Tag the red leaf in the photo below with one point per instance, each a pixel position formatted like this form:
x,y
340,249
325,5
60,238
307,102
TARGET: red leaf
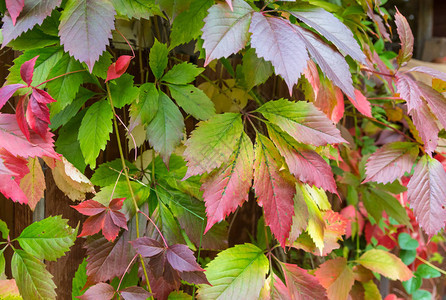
x,y
302,285
21,119
336,226
147,247
337,277
425,122
197,277
274,188
391,162
119,67
275,40
427,194
135,293
14,8
228,187
161,287
102,291
12,170
38,113
182,259
90,208
27,70
7,91
406,37
362,104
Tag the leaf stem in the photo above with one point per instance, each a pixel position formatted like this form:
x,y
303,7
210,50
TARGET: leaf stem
x,y
128,267
51,79
126,173
431,265
378,73
156,227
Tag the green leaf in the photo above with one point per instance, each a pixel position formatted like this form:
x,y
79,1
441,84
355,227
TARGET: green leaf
x,y
236,273
48,57
48,239
122,90
406,242
192,19
166,221
33,39
422,295
183,73
371,291
95,131
33,280
179,295
144,109
101,66
193,100
79,280
65,88
412,284
166,129
136,8
4,229
425,271
254,70
386,264
2,264
408,256
377,201
158,59
107,173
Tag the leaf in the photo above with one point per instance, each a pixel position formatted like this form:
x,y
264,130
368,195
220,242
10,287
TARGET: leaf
x,y
37,112
302,121
119,67
305,164
173,7
426,125
33,183
9,290
69,112
158,58
193,100
192,19
391,162
108,173
136,8
122,91
4,230
85,28
71,181
33,39
274,188
12,170
425,271
275,40
165,131
361,104
406,38
237,273
27,70
386,264
226,29
332,29
135,293
99,291
406,242
179,295
33,13
147,247
371,291
254,70
109,219
33,280
7,91
228,187
426,193
183,73
212,143
79,279
337,277
182,259
14,8
302,285
379,201
95,130
144,109
335,226
48,239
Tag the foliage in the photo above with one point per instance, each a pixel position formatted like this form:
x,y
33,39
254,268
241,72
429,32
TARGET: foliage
x,y
199,142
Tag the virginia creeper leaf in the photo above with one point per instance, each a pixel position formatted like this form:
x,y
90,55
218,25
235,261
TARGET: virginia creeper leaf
x,y
193,100
80,279
337,277
7,91
173,7
228,187
95,130
33,39
119,67
99,291
33,183
276,40
165,131
32,279
183,73
34,12
237,272
9,289
144,109
406,38
427,194
108,173
123,91
332,29
226,29
27,70
135,293
378,201
4,230
429,71
136,8
409,91
302,285
361,104
147,247
254,70
371,291
12,170
212,143
158,58
274,188
391,162
182,259
14,8
428,129
385,263
302,121
37,112
85,28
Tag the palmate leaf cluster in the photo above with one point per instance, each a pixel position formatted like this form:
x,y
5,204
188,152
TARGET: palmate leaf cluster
x,y
194,148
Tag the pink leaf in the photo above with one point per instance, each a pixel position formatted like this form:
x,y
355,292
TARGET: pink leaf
x,y
7,91
406,38
274,188
332,29
21,119
119,67
427,194
33,13
102,291
226,29
409,91
38,113
435,100
361,104
27,70
425,122
228,187
276,40
302,285
307,166
12,170
14,8
182,259
429,71
391,162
